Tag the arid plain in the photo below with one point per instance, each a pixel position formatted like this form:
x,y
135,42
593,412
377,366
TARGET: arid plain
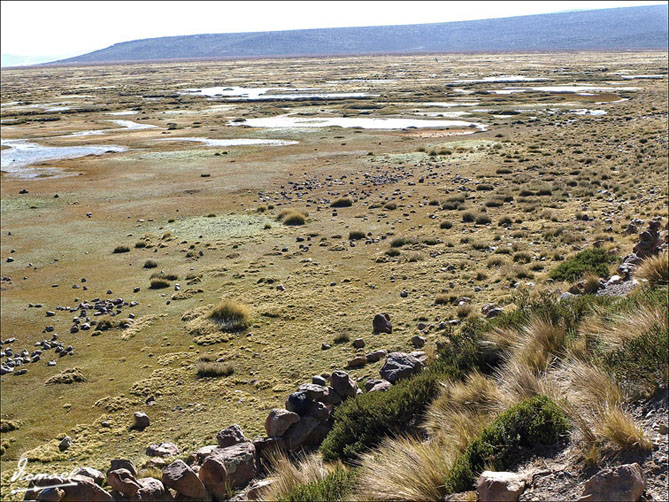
x,y
470,177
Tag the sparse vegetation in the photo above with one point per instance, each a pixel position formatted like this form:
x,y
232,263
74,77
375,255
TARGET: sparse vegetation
x,y
231,315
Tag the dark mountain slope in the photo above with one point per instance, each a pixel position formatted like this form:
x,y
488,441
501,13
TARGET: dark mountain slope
x,y
643,27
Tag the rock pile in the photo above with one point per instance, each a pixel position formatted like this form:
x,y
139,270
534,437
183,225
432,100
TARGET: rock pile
x,y
651,242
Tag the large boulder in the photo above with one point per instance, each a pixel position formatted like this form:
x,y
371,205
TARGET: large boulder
x,y
318,411
299,432
165,449
625,483
152,490
53,494
181,478
97,477
85,490
199,455
230,436
240,463
314,392
298,402
317,435
122,480
278,421
343,385
35,486
500,486
381,324
214,477
400,365
122,463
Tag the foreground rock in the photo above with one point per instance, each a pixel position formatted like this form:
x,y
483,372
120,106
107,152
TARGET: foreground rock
x,y
343,384
123,481
214,477
230,436
500,486
165,449
400,365
181,478
240,463
620,484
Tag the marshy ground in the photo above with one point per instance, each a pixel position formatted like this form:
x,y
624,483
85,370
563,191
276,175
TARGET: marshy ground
x,y
444,218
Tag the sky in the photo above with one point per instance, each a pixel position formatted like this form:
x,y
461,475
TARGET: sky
x,y
33,32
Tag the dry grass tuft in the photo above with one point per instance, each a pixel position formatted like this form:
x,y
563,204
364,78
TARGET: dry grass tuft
x,y
404,469
286,475
232,315
655,270
618,427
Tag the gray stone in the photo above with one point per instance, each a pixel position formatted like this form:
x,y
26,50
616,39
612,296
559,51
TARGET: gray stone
x,y
240,463
376,355
298,433
230,436
141,421
97,477
123,481
343,384
214,477
152,490
399,365
65,443
297,403
381,324
121,463
165,449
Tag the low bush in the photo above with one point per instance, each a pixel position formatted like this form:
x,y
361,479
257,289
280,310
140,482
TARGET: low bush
x,y
445,225
364,421
356,235
468,217
482,219
398,242
590,260
534,422
150,264
121,249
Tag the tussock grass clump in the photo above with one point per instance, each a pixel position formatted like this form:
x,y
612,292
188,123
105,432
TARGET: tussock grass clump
x,y
445,225
231,315
307,479
206,369
158,283
468,217
164,275
343,202
655,270
398,242
291,217
68,376
392,252
404,469
532,423
590,260
150,264
482,219
356,235
121,249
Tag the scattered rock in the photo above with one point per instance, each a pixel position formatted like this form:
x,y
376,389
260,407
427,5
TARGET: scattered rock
x,y
152,490
418,341
381,324
377,355
357,362
140,421
165,449
122,480
65,443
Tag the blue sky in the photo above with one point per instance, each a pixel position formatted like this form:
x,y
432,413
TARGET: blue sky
x,y
45,31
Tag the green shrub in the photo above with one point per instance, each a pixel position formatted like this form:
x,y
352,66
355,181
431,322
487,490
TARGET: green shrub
x,y
335,487
345,202
590,260
534,422
363,421
356,235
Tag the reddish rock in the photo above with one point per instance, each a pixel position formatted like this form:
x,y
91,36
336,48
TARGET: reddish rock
x,y
230,436
85,490
381,324
279,420
214,477
240,463
299,432
123,481
625,483
153,490
343,384
181,478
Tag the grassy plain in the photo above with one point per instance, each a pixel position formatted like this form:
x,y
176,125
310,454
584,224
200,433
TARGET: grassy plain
x,y
481,215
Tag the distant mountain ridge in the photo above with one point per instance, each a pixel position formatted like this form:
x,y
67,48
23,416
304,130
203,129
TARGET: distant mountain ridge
x,y
623,28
